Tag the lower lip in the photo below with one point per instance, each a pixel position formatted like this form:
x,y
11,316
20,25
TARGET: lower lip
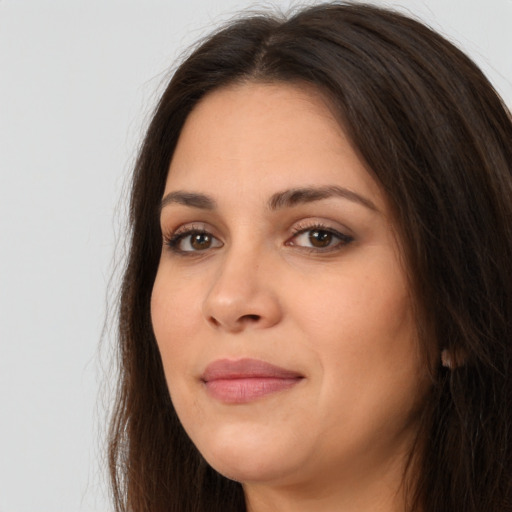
x,y
244,390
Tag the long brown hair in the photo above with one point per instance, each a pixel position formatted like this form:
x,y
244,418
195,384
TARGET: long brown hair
x,y
438,140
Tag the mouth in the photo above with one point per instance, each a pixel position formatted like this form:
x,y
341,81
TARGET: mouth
x,y
245,380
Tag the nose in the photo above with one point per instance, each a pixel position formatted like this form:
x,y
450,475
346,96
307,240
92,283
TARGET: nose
x,y
242,294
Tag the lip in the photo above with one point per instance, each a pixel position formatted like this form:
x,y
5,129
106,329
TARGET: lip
x,y
245,380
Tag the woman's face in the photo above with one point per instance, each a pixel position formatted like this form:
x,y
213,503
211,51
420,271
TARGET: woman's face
x,y
280,307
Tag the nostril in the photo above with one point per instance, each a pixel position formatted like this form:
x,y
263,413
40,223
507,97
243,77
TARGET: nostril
x,y
214,321
244,319
251,318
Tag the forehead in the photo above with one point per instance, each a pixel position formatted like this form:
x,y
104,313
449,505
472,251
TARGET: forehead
x,y
263,137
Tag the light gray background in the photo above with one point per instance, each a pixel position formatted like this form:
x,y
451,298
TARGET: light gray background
x,y
77,80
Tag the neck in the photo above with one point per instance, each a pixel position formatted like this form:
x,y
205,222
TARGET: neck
x,y
381,489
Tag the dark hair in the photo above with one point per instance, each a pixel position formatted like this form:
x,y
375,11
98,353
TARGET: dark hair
x,y
438,140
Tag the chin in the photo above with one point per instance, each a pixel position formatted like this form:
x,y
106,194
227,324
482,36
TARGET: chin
x,y
248,455
250,469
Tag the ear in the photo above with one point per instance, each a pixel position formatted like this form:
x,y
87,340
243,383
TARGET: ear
x,y
453,358
447,359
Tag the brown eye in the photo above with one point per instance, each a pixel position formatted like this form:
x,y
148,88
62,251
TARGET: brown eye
x,y
319,238
200,241
193,241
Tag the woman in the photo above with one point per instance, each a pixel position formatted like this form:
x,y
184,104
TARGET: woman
x,y
316,310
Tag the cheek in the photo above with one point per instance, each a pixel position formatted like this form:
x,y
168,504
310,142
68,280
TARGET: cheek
x,y
174,315
361,326
354,309
176,318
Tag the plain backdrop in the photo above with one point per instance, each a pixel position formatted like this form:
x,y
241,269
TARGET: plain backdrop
x,y
77,82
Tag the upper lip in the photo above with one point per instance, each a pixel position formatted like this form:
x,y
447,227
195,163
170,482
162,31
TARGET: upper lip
x,y
245,369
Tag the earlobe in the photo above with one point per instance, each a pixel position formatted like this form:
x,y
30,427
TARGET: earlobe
x,y
453,358
447,360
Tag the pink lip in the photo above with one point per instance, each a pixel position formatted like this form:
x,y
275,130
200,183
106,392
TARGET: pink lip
x,y
244,380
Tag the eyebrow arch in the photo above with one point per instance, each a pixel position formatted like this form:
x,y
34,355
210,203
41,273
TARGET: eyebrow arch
x,y
192,199
294,196
285,199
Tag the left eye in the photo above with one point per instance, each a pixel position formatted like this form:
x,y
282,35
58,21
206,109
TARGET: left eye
x,y
316,238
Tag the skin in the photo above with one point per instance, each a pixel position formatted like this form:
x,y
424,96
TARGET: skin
x,y
338,314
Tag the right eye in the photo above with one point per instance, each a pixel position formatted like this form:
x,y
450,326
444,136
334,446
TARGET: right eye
x,y
193,241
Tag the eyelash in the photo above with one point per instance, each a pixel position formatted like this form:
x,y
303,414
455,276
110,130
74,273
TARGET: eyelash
x,y
174,240
343,239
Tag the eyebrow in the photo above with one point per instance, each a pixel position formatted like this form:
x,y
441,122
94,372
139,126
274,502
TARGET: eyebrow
x,y
192,199
295,196
285,199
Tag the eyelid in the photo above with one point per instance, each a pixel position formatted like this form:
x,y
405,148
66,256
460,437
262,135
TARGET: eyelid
x,y
323,224
188,227
305,226
174,237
